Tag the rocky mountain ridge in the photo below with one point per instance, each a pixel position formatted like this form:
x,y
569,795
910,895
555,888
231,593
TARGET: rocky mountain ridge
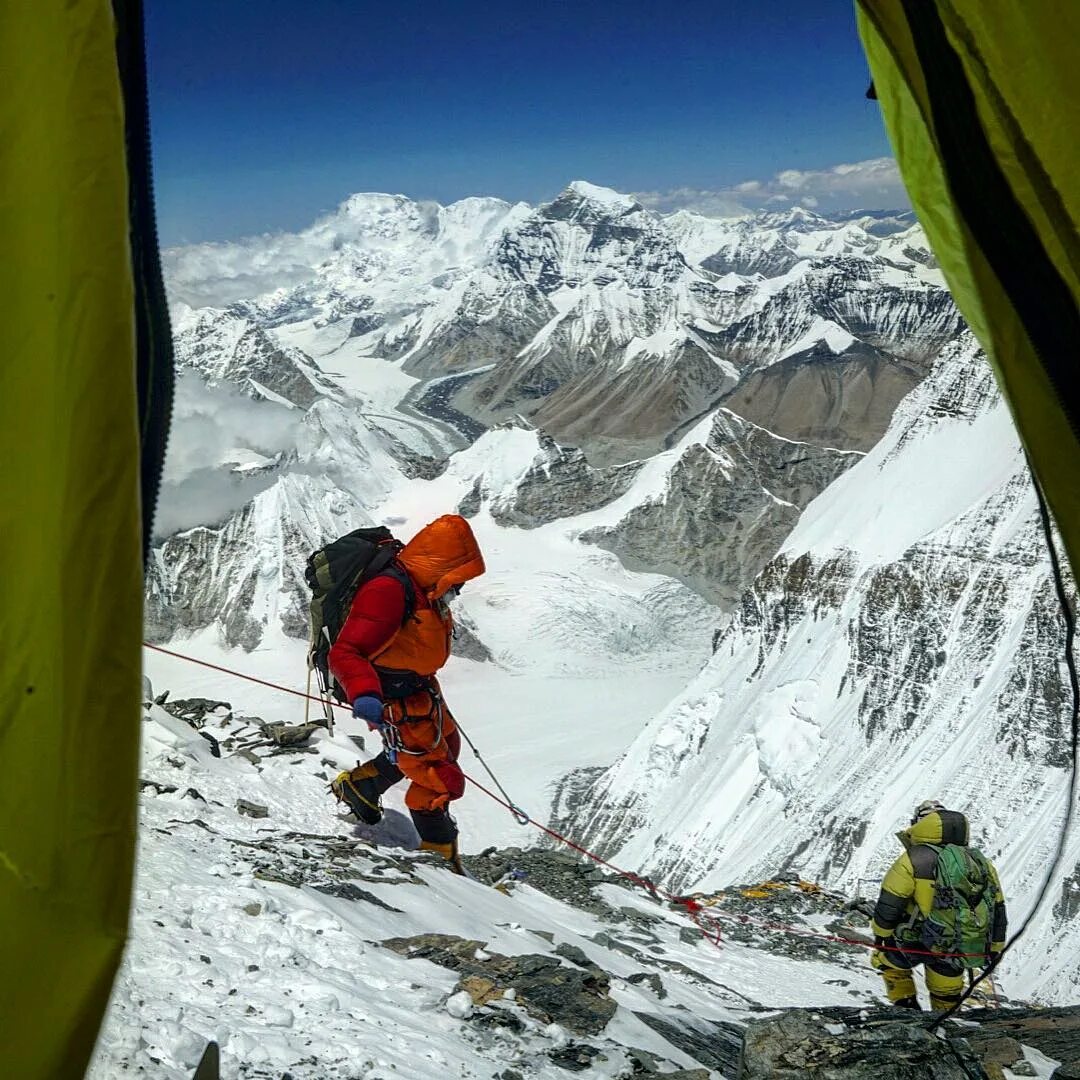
x,y
565,313
905,642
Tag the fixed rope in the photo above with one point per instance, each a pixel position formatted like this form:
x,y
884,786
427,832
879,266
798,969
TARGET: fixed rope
x,y
241,675
697,910
703,916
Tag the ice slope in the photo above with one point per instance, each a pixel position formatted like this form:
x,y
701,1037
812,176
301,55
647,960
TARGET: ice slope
x,y
904,644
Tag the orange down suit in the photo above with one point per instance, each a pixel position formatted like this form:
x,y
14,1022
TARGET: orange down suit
x,y
376,654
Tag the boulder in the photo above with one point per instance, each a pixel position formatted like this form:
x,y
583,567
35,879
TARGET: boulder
x,y
800,1044
547,989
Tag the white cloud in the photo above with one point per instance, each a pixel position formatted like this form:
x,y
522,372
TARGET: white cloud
x,y
873,184
195,488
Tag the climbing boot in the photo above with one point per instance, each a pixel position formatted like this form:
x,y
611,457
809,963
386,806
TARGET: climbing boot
x,y
908,1003
448,851
359,790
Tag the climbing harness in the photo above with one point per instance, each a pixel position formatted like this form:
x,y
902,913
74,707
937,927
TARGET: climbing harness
x,y
390,728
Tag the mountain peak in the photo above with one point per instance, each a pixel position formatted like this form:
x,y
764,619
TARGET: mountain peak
x,y
794,217
588,204
600,196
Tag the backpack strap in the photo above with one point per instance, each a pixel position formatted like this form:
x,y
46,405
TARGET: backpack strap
x,y
924,859
395,570
399,574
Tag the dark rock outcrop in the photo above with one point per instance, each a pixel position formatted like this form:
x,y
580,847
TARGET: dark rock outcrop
x,y
561,483
545,987
805,1045
844,400
729,504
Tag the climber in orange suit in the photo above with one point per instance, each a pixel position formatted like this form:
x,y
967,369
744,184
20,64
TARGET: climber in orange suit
x,y
395,639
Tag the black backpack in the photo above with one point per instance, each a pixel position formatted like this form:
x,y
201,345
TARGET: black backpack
x,y
334,573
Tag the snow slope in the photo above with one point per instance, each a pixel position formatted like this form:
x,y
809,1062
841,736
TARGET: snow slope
x,y
264,934
904,644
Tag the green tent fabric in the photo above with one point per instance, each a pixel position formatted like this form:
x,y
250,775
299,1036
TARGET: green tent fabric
x,y
80,400
981,99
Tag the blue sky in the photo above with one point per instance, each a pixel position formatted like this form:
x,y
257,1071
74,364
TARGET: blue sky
x,y
266,114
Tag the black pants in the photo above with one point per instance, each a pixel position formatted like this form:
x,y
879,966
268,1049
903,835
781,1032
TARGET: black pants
x,y
434,826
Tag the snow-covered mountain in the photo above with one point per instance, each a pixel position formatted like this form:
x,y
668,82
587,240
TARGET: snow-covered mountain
x,y
605,324
589,317
763,562
905,642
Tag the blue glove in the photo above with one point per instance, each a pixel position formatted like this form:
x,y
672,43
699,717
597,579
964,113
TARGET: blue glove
x,y
368,708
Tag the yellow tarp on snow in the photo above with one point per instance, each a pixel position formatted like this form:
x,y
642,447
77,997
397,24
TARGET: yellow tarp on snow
x,y
981,99
70,534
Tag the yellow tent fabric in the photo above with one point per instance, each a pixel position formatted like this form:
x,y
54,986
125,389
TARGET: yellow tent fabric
x,y
70,534
981,99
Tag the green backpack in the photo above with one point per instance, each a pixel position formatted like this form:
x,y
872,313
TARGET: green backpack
x,y
961,919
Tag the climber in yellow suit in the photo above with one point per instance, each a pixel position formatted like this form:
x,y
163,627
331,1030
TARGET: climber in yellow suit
x,y
940,896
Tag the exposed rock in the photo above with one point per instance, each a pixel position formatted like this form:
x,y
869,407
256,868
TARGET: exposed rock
x,y
854,1043
730,503
549,990
225,348
558,873
574,954
803,1044
482,991
251,809
574,1057
348,890
860,299
194,711
561,483
1053,1032
843,400
467,642
484,326
471,503
715,1043
282,734
651,979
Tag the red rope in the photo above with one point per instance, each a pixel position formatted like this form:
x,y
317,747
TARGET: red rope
x,y
239,675
698,911
705,919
